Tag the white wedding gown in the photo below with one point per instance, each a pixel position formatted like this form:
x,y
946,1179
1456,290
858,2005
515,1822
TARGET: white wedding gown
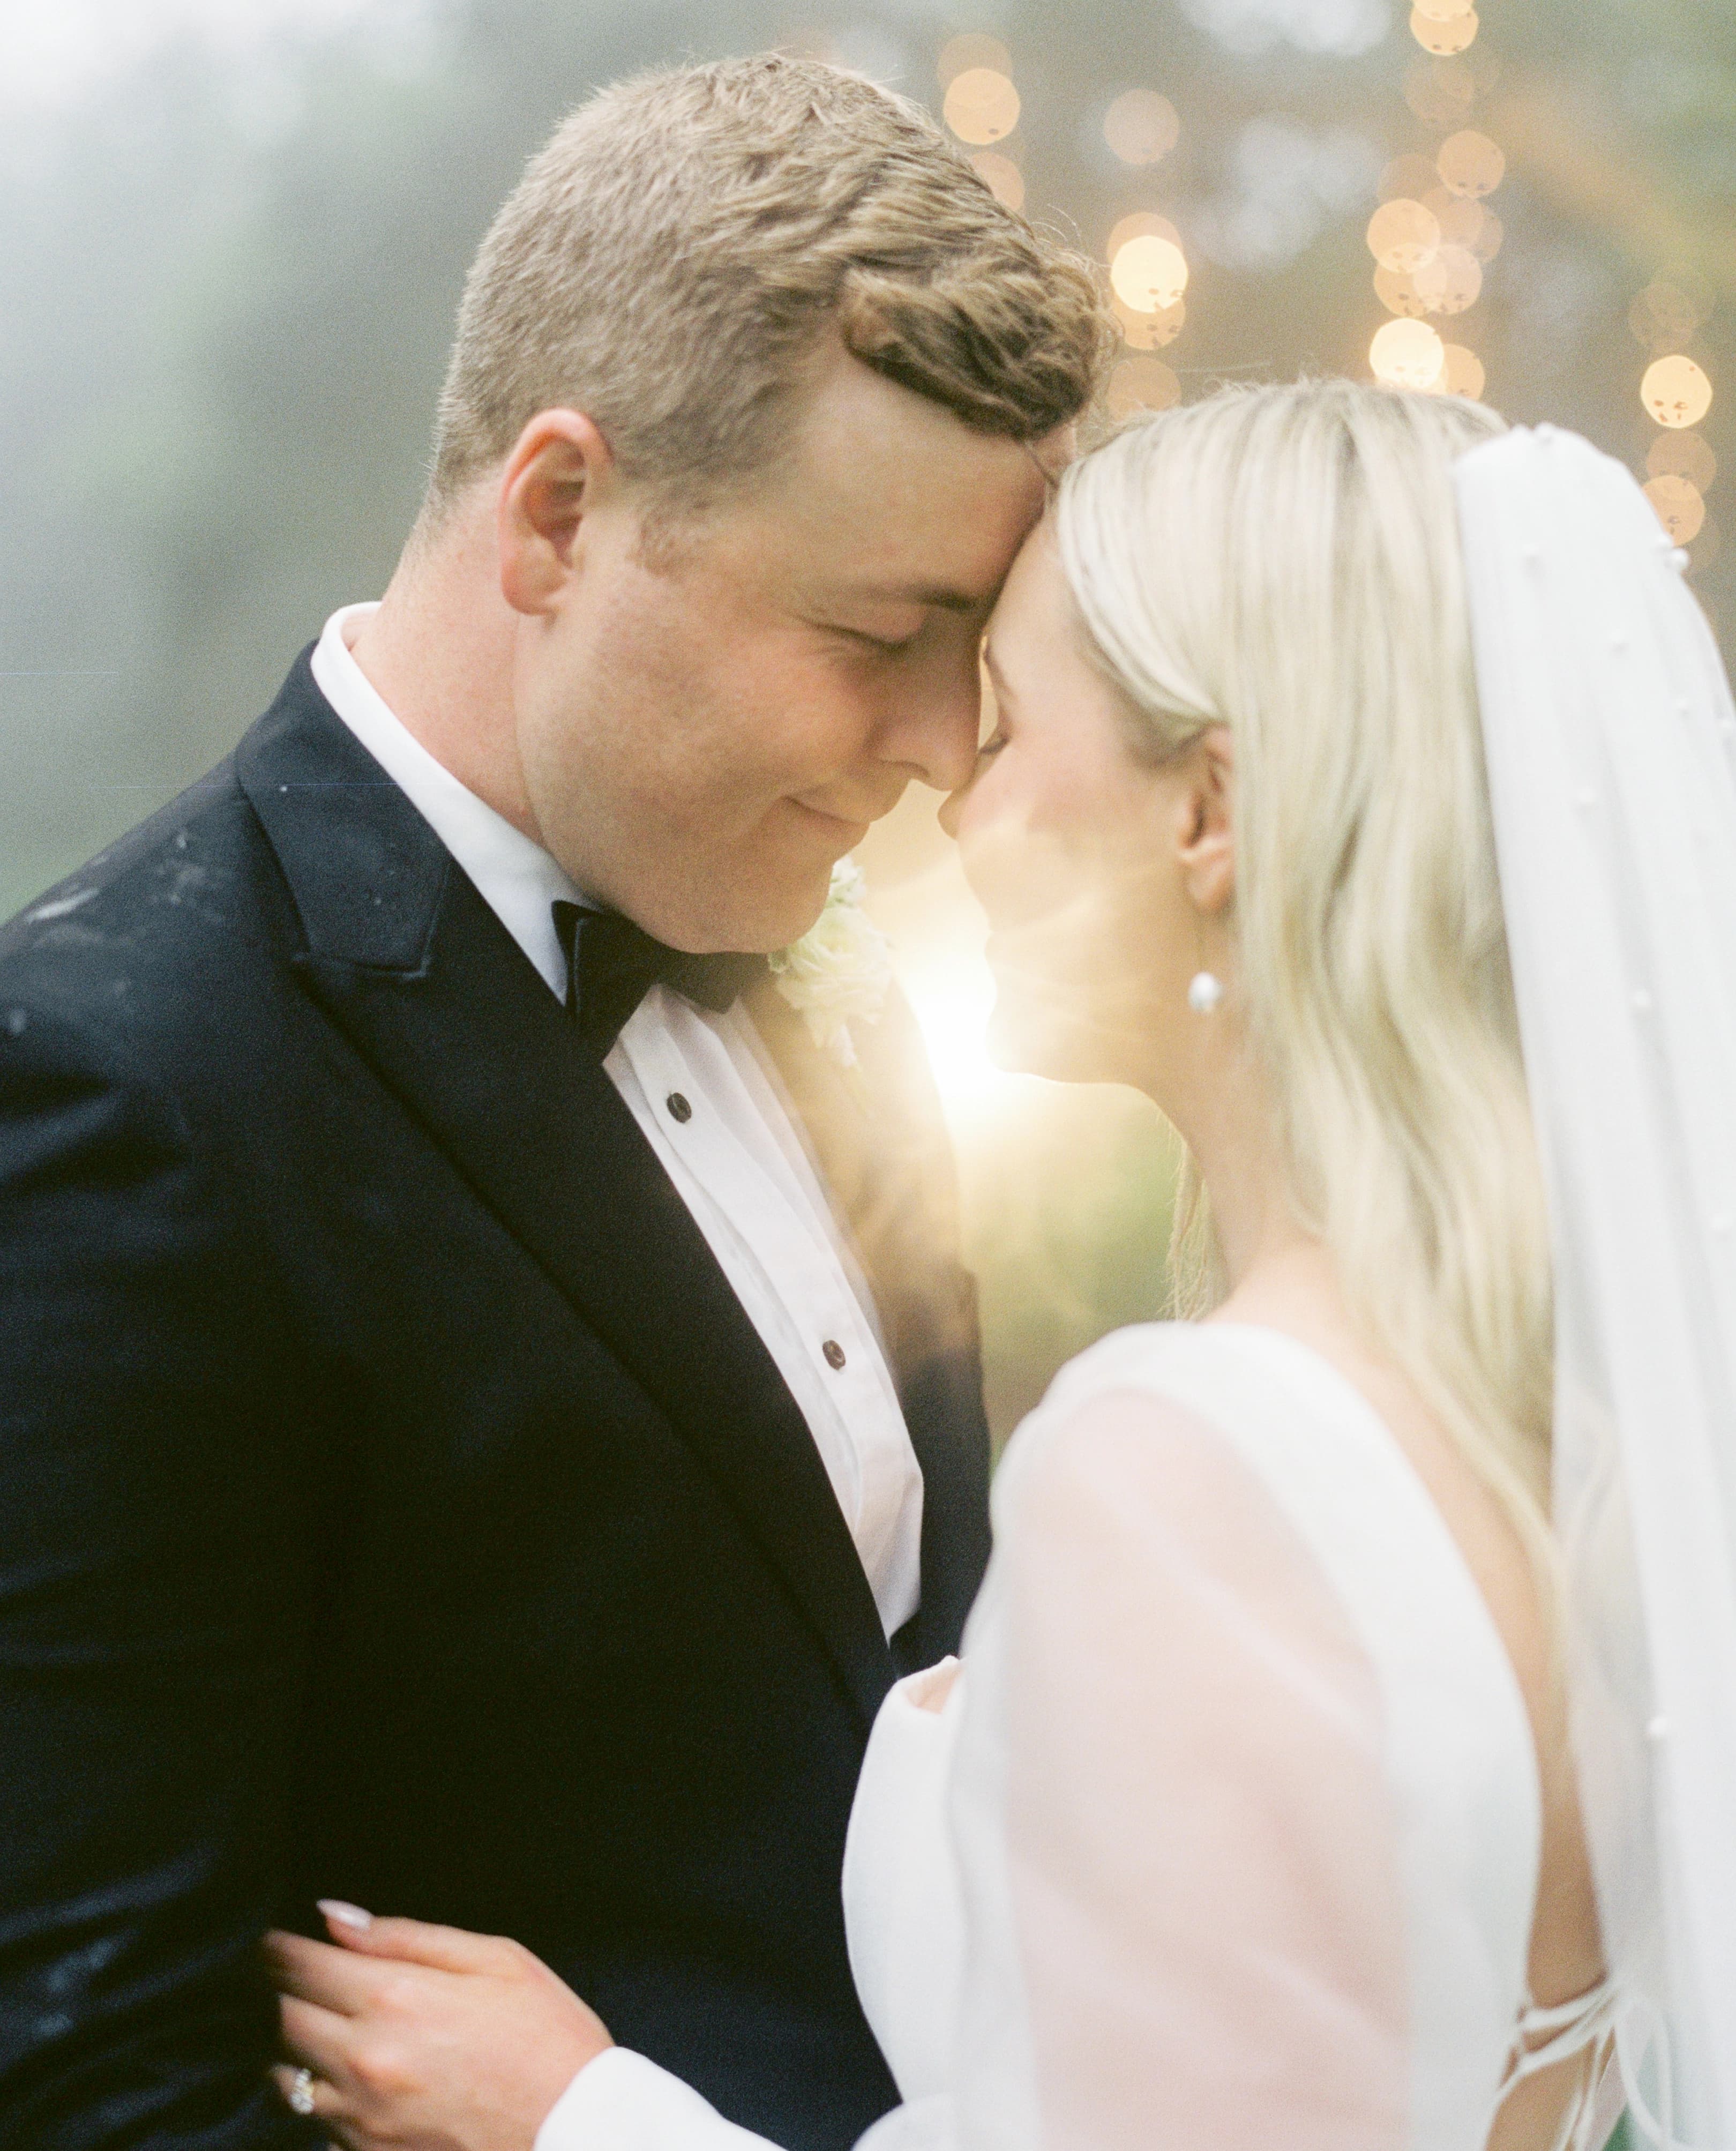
x,y
1228,1838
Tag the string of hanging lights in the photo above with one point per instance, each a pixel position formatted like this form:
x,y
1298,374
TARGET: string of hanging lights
x,y
1676,389
1432,237
1434,232
1148,267
981,103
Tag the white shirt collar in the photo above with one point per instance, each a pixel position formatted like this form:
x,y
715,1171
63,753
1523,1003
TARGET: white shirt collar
x,y
513,875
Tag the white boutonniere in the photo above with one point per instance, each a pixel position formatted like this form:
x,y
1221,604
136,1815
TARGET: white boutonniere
x,y
841,969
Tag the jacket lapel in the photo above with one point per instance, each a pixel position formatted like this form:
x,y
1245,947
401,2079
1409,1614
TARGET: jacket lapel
x,y
405,956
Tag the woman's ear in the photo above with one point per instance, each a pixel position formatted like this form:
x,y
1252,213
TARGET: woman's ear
x,y
1208,849
553,477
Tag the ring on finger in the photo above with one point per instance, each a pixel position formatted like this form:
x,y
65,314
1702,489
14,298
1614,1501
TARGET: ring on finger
x,y
299,2096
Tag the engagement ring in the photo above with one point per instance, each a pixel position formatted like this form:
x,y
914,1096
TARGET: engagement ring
x,y
301,2092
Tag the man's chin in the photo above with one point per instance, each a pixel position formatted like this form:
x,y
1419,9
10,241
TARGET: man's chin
x,y
758,921
774,915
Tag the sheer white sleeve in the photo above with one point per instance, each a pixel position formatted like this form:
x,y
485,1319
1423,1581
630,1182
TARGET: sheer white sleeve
x,y
621,2102
1199,1879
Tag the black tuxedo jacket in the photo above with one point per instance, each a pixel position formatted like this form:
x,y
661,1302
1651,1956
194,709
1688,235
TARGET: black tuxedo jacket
x,y
395,1503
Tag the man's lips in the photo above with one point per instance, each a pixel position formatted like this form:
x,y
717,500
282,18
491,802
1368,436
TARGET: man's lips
x,y
848,828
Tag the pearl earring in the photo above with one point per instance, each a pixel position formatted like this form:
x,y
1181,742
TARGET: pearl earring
x,y
1204,993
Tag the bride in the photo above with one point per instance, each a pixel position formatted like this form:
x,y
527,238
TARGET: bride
x,y
1343,1760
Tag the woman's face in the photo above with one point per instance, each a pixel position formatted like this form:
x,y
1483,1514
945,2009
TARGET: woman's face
x,y
1080,854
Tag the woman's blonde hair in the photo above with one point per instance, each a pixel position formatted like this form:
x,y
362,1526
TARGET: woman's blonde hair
x,y
1286,561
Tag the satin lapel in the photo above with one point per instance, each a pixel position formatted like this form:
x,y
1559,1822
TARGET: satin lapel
x,y
882,1148
412,965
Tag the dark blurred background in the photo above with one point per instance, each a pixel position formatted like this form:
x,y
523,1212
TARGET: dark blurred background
x,y
236,230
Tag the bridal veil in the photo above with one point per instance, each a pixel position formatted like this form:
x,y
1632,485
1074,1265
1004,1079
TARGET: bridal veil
x,y
1610,738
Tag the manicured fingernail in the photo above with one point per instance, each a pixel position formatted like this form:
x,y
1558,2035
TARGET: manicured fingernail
x,y
346,1915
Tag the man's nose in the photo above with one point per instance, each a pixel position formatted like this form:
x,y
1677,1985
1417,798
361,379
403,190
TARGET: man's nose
x,y
934,730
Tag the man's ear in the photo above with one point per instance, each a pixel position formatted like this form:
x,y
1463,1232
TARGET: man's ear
x,y
558,467
1206,852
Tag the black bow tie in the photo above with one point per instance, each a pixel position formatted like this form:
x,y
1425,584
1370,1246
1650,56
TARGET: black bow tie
x,y
612,964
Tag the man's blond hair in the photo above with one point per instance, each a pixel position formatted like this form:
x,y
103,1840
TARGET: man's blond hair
x,y
673,259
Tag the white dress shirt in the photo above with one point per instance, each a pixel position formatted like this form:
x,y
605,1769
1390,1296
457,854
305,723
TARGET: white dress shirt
x,y
737,1163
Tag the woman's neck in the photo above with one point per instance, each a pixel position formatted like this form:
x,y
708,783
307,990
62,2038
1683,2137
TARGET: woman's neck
x,y
1229,1127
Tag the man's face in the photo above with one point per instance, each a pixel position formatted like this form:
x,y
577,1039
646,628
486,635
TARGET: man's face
x,y
701,739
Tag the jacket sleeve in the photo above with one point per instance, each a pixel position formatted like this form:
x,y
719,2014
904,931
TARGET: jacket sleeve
x,y
152,1618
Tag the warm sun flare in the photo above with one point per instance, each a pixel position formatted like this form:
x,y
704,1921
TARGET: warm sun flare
x,y
953,996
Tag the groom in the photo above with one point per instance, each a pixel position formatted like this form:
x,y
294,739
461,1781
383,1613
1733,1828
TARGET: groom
x,y
486,1406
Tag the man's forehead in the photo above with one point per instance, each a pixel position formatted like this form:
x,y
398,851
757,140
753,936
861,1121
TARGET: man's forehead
x,y
857,432
912,537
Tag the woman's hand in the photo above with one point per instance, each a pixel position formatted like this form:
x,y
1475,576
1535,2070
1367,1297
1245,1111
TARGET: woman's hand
x,y
424,2038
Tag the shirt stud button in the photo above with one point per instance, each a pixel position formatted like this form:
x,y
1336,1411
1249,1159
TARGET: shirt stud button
x,y
679,1108
834,1352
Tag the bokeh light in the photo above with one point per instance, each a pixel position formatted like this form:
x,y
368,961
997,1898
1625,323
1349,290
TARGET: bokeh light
x,y
1141,223
1471,165
1683,455
1143,332
1440,92
1407,355
1456,34
1680,509
1681,467
1676,391
1006,182
1403,235
1462,373
1666,314
1141,384
1445,11
974,49
1149,273
982,105
1398,294
1450,281
1142,126
1464,223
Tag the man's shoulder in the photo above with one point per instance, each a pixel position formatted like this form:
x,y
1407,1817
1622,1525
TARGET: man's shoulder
x,y
177,886
168,932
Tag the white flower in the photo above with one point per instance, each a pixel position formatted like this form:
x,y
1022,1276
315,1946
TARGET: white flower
x,y
840,969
